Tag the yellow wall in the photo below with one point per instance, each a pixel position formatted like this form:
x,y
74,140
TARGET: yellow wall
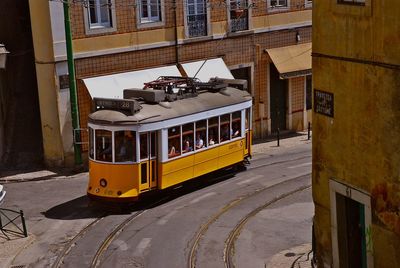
x,y
46,79
157,36
360,145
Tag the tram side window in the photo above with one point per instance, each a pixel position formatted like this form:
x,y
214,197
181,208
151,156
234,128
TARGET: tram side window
x,y
247,122
236,124
224,127
144,148
201,134
91,143
103,145
187,138
174,141
125,146
213,131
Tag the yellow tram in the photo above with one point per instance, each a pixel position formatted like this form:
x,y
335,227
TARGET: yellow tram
x,y
173,130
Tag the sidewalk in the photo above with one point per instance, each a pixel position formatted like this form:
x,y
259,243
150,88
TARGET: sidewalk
x,y
295,257
270,144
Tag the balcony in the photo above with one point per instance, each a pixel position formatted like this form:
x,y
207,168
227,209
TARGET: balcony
x,y
239,20
197,25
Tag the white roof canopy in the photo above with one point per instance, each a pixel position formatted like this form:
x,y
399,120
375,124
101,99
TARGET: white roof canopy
x,y
112,86
211,68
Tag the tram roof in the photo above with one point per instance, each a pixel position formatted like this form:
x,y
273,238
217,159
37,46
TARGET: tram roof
x,y
151,113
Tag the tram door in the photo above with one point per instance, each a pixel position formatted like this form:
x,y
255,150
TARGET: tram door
x,y
148,161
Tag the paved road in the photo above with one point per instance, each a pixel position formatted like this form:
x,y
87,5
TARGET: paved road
x,y
192,221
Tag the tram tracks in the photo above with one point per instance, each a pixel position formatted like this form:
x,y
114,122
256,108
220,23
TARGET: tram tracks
x,y
234,234
107,241
72,242
104,244
229,242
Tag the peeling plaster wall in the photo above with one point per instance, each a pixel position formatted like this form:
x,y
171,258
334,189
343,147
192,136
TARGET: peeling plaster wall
x,y
359,62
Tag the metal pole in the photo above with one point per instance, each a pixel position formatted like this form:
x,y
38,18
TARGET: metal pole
x,y
277,136
309,130
72,85
23,223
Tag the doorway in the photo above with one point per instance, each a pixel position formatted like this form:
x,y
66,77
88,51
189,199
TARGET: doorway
x,y
278,100
148,160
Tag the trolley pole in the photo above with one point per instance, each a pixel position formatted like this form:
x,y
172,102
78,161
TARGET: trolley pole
x,y
72,85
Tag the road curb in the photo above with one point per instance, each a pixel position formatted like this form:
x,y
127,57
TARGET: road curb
x,y
299,257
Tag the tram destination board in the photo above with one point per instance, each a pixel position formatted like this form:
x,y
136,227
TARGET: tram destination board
x,y
323,102
116,104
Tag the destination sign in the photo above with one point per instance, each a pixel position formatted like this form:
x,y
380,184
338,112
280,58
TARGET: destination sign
x,y
116,104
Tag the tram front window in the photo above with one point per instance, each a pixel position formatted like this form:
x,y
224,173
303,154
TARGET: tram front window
x,y
103,145
125,146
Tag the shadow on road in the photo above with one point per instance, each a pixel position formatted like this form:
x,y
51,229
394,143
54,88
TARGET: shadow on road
x,y
83,208
78,208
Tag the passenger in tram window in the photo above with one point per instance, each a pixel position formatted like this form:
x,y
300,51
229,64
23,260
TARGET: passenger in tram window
x,y
211,141
106,153
199,141
172,152
187,145
225,133
122,149
235,130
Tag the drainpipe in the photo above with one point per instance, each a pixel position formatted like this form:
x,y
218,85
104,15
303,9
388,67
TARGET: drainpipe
x,y
176,33
72,85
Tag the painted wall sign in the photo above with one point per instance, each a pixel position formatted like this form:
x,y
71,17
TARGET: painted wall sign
x,y
323,102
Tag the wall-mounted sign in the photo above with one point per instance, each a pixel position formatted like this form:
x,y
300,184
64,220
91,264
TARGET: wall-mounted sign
x,y
323,102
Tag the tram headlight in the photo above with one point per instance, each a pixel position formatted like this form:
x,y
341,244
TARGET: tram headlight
x,y
103,183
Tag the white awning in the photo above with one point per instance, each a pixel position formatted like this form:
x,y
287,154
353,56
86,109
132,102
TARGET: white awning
x,y
211,68
112,86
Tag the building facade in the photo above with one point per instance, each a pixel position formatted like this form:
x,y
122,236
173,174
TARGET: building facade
x,y
356,172
119,36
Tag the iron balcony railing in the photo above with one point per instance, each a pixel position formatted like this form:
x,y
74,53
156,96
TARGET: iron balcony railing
x,y
239,23
197,25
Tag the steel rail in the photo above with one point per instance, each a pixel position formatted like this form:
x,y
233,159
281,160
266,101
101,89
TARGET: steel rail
x,y
230,205
230,241
71,243
117,230
106,242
